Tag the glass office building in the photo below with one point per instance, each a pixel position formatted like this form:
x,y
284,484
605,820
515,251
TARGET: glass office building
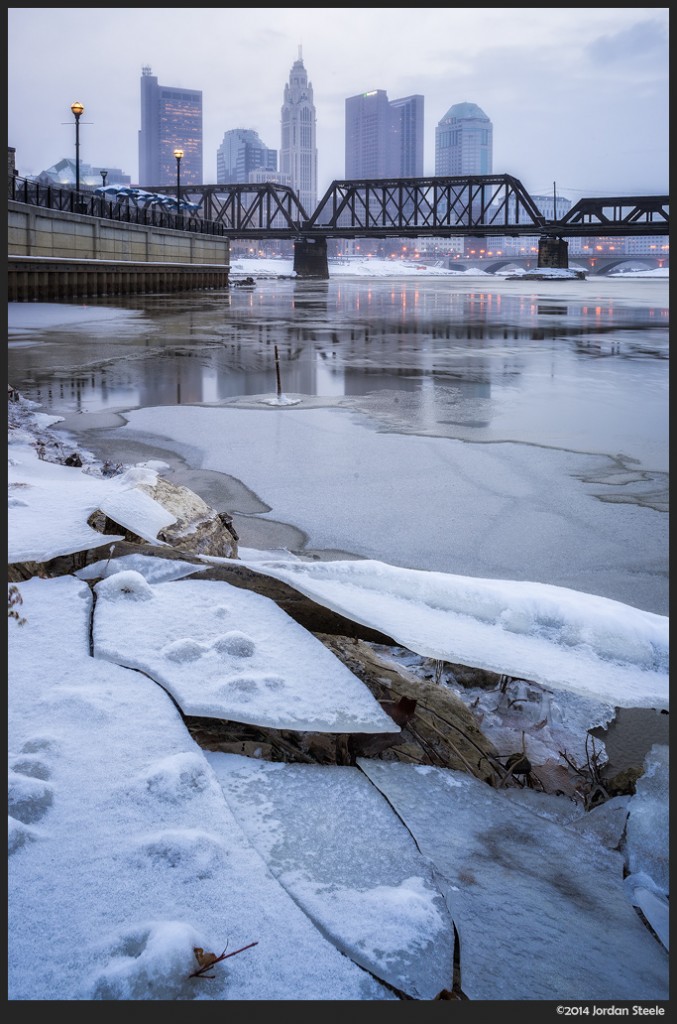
x,y
464,142
242,153
384,138
170,119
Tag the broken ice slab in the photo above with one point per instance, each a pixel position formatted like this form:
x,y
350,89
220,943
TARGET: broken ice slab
x,y
345,858
541,912
229,653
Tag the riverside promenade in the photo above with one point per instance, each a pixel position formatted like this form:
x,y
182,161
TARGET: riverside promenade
x,y
62,254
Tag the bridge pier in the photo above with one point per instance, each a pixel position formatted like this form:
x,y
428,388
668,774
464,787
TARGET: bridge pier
x,y
310,258
553,252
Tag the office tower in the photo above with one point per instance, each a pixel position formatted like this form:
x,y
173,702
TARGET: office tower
x,y
384,139
298,152
240,154
170,119
464,142
408,129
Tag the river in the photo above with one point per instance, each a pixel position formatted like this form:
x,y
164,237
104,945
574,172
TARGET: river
x,y
469,425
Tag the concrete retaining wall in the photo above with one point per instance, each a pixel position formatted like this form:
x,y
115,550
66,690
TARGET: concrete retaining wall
x,y
34,231
54,280
53,255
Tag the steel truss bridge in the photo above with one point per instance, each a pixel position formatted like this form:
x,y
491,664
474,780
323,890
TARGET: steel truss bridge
x,y
479,206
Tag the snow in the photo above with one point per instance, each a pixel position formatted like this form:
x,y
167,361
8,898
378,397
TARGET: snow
x,y
557,637
377,267
224,652
130,847
43,492
124,853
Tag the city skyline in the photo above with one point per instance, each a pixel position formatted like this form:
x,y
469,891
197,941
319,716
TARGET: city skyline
x,y
576,96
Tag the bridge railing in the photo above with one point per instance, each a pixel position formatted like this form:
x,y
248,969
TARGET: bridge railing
x,y
118,208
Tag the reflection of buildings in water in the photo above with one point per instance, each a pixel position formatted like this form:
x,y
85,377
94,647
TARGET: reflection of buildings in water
x,y
188,361
403,340
438,405
86,390
329,361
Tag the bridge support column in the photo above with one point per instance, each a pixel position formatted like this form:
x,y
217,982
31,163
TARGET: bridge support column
x,y
310,258
553,252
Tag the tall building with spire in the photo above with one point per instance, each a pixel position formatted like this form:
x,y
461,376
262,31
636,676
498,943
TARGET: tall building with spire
x,y
298,151
171,119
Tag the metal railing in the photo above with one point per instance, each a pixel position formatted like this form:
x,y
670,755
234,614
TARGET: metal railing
x,y
119,208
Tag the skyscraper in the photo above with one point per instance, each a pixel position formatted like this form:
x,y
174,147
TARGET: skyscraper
x,y
384,139
241,153
298,152
408,129
464,142
170,119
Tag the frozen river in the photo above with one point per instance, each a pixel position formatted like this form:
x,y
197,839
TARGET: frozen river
x,y
476,426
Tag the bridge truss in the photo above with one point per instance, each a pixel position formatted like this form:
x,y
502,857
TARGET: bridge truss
x,y
482,205
624,215
493,204
476,206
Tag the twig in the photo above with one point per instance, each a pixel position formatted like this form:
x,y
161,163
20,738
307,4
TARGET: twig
x,y
210,960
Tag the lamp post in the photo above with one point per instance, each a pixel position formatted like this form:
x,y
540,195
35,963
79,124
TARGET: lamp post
x,y
104,175
178,153
77,111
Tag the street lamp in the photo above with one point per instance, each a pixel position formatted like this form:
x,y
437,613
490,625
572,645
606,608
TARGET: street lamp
x,y
178,153
104,175
77,110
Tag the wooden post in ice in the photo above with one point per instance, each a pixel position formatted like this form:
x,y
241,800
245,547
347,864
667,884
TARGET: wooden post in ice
x,y
277,373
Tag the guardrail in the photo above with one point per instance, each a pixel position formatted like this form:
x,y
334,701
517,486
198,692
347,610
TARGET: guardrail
x,y
118,208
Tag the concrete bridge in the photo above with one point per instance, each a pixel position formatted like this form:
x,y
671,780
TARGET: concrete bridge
x,y
596,266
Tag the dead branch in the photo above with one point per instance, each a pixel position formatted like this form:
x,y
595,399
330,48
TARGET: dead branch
x,y
207,960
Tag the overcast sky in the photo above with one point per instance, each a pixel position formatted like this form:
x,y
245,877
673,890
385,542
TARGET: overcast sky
x,y
576,96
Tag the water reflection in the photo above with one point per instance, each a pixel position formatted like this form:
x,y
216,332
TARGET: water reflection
x,y
579,367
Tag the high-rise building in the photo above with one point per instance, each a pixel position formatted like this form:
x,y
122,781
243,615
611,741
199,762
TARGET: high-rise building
x,y
408,129
171,118
240,154
464,142
384,139
298,152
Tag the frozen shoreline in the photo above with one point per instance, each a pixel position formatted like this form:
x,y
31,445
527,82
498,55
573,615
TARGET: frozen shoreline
x,y
242,267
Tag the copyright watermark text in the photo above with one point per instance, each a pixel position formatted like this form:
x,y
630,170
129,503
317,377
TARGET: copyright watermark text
x,y
610,1011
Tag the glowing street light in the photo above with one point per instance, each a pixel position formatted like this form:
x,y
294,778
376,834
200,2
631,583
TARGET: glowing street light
x,y
178,153
77,110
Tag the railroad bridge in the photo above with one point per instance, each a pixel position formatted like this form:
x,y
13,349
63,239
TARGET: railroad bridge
x,y
480,207
209,217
